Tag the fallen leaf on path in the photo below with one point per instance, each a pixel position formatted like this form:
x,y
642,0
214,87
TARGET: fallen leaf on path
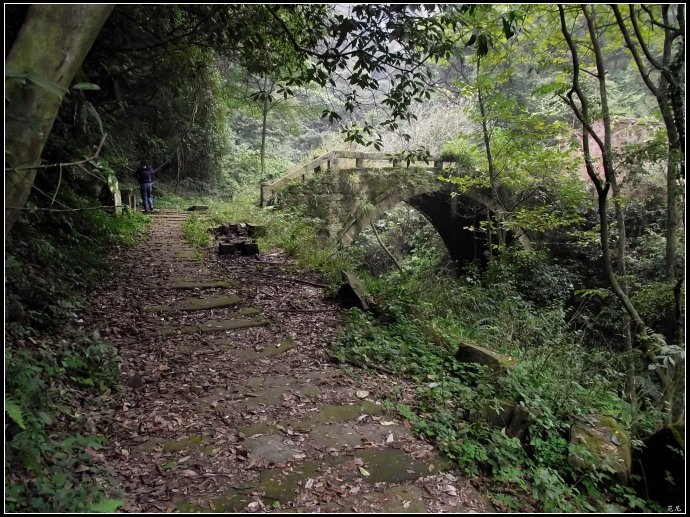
x,y
450,490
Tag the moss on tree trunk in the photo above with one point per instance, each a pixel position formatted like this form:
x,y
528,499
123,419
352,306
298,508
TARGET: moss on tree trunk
x,y
50,46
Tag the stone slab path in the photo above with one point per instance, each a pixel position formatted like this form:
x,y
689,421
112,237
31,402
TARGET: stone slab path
x,y
231,403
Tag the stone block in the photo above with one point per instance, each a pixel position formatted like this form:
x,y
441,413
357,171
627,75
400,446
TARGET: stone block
x,y
603,444
470,353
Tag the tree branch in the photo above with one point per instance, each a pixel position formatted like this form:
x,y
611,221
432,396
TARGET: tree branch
x,y
633,50
645,48
48,166
397,265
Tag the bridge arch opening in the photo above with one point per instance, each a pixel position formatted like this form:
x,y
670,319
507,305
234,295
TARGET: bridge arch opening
x,y
455,218
405,232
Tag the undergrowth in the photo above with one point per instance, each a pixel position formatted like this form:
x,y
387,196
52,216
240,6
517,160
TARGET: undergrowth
x,y
53,370
558,377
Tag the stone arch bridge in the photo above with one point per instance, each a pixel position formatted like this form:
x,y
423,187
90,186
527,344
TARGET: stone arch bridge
x,y
349,190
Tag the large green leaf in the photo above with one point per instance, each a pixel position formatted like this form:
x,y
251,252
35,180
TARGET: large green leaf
x,y
86,86
37,79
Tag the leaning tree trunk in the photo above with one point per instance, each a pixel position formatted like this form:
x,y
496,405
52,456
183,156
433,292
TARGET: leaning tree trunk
x,y
264,113
493,180
50,47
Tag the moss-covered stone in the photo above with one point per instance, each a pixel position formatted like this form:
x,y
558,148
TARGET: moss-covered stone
x,y
259,428
351,434
471,353
211,326
184,443
338,413
273,350
402,499
270,447
192,283
601,442
189,507
393,465
188,255
233,501
198,304
208,303
396,499
280,486
232,324
243,355
150,444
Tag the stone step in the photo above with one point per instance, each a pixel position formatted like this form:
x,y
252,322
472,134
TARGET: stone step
x,y
198,304
210,326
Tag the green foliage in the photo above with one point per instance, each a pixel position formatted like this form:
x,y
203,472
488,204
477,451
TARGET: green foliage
x,y
629,499
427,34
551,490
55,488
52,259
516,307
106,506
182,106
467,155
407,235
51,470
241,165
531,275
651,300
299,238
195,230
14,411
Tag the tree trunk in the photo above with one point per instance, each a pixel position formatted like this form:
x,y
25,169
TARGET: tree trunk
x,y
383,246
493,180
263,137
52,44
179,168
602,187
669,93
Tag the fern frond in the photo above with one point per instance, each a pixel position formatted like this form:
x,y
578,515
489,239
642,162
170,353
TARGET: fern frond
x,y
14,411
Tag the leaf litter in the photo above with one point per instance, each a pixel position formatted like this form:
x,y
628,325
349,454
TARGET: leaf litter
x,y
172,431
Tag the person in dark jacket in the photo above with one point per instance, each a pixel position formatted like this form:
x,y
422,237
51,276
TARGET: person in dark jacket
x,y
144,175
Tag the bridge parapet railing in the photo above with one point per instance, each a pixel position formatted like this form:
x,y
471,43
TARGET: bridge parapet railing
x,y
331,161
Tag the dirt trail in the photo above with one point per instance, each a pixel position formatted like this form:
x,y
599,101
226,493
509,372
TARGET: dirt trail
x,y
231,401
